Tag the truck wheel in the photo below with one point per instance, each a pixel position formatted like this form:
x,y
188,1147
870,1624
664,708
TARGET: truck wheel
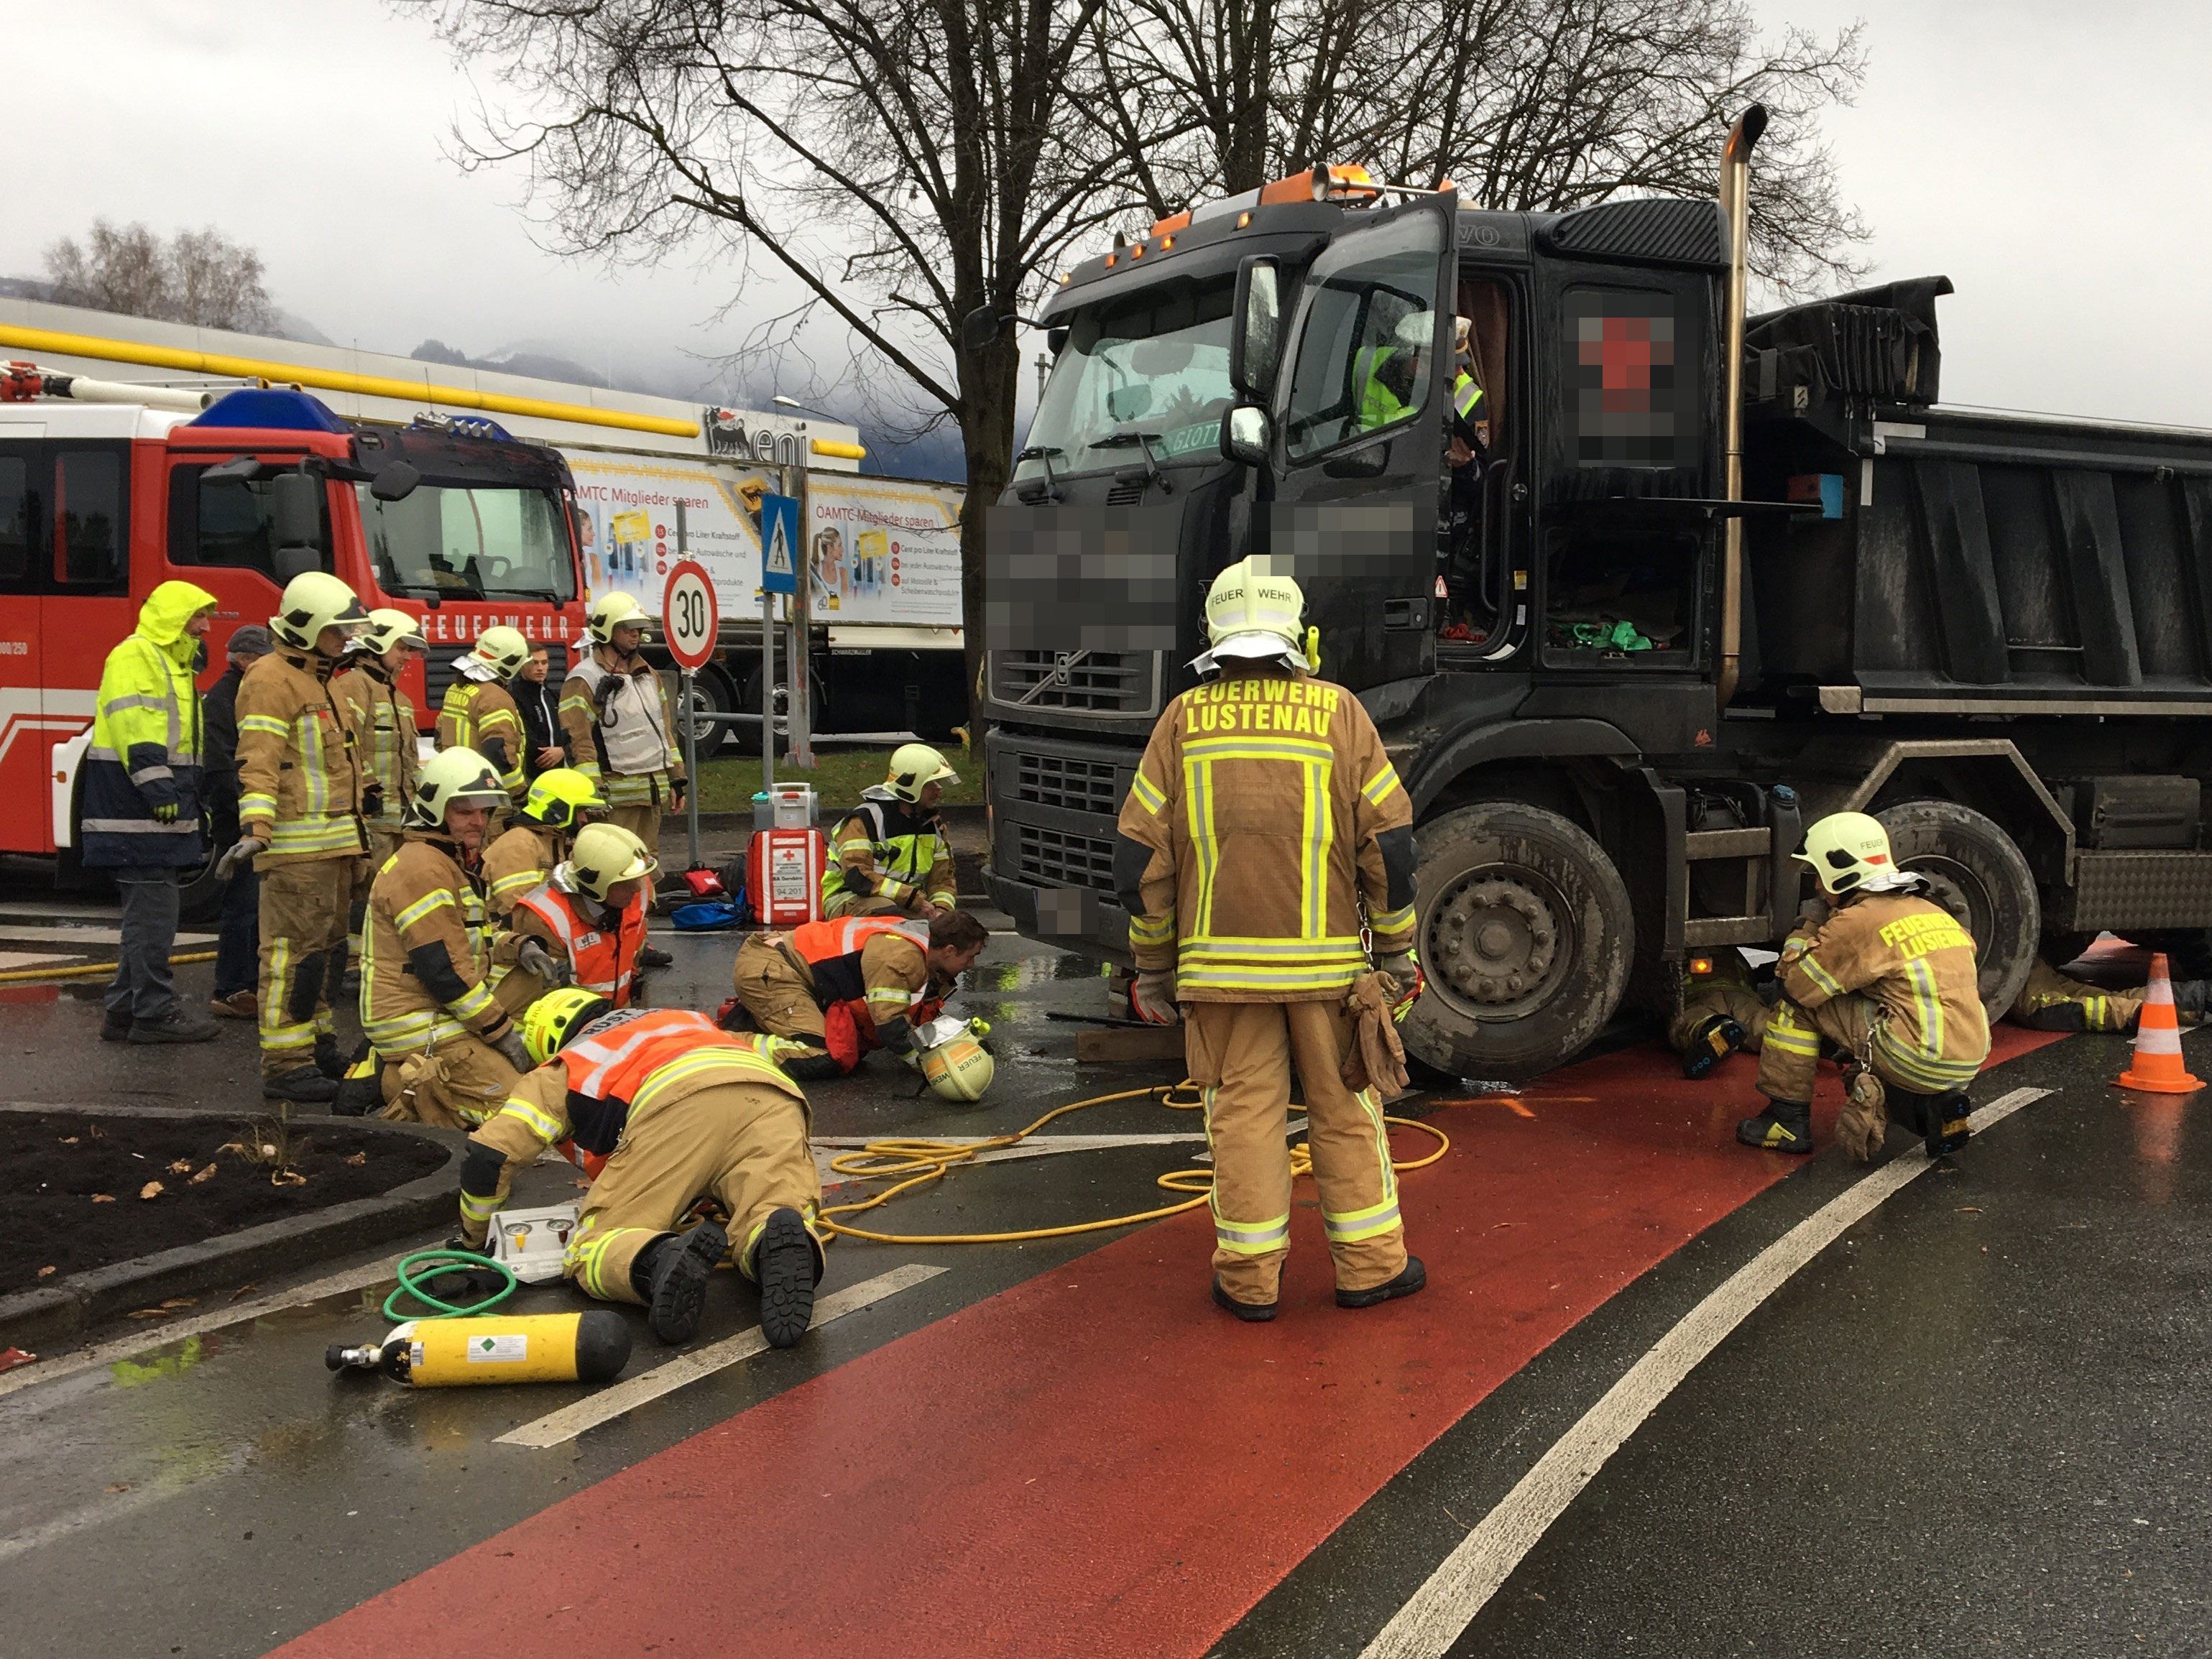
x,y
710,695
1525,936
1979,877
746,739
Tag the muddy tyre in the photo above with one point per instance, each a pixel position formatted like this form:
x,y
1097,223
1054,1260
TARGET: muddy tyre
x,y
1980,878
1526,936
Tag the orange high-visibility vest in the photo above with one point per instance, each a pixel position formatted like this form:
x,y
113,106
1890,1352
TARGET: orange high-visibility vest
x,y
831,951
602,961
627,1061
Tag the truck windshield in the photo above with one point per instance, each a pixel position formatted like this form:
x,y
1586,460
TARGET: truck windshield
x,y
1151,371
445,541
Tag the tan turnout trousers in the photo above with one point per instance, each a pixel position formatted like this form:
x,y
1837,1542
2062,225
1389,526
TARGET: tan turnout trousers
x,y
304,904
772,990
642,821
1241,1054
742,1144
457,1085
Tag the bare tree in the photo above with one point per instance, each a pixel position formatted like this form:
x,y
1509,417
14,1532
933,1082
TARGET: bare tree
x,y
199,276
900,162
1526,105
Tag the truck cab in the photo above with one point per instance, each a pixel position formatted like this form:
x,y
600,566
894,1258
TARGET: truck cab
x,y
449,519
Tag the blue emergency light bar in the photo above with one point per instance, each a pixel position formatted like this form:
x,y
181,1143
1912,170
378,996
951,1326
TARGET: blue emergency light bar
x,y
267,410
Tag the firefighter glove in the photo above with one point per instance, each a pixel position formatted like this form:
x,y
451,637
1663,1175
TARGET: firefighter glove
x,y
372,799
1406,969
509,1044
537,959
244,850
677,789
1153,997
165,812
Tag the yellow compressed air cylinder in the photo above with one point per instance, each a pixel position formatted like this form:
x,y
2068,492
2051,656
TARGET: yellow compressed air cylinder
x,y
574,1347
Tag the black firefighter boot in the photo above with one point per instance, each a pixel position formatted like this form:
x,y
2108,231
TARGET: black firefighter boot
x,y
1943,1124
786,1265
1786,1126
1715,1041
670,1273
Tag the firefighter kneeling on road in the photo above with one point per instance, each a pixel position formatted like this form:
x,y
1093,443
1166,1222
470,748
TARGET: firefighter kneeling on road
x,y
680,1111
449,1052
889,856
1889,978
844,988
586,926
1264,812
560,802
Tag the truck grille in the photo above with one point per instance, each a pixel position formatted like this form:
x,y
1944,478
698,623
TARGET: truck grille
x,y
1057,858
1081,682
1081,785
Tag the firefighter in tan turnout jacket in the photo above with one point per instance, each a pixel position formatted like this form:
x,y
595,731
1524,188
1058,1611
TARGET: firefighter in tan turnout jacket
x,y
450,1054
298,818
382,717
1890,979
1265,813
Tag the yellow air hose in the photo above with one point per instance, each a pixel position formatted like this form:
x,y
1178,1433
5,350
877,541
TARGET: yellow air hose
x,y
913,1164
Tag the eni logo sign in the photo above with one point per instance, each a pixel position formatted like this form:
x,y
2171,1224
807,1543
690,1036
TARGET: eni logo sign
x,y
726,436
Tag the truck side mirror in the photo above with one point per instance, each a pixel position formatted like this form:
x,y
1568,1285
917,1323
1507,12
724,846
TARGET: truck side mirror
x,y
979,328
296,501
1247,435
1255,343
396,483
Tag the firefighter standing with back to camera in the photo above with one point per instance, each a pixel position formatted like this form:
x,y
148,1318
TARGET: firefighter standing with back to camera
x,y
1263,813
299,815
1888,976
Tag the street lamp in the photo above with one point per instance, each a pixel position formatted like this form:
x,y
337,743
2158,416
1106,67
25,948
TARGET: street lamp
x,y
783,402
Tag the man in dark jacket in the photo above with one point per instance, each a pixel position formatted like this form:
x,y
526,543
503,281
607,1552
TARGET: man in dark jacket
x,y
238,948
538,697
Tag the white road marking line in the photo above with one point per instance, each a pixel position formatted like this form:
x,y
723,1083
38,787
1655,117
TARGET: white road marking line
x,y
1442,1608
116,1507
611,1402
11,960
177,1330
18,931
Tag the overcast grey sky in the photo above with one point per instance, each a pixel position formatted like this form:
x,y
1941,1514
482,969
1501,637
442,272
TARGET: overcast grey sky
x,y
2051,157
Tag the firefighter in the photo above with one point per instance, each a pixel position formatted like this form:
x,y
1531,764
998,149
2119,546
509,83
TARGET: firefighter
x,y
2050,1001
889,855
299,814
382,718
1890,978
448,1052
845,987
619,723
561,801
141,801
679,1111
585,924
480,714
1264,815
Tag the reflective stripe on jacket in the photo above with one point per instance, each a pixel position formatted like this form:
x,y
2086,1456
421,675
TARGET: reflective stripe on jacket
x,y
628,1062
1911,957
383,721
480,715
299,781
146,741
425,951
518,863
886,847
880,964
1264,816
601,959
621,728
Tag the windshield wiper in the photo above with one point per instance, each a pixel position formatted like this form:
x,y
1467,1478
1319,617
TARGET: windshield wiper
x,y
1144,440
1041,452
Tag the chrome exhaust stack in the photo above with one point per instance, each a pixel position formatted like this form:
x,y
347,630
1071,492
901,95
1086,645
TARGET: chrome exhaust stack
x,y
1736,203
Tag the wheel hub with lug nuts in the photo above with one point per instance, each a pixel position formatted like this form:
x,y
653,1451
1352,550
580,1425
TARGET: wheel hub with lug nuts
x,y
1496,938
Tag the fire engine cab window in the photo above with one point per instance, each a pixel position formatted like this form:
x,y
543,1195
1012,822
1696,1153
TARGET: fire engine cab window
x,y
448,541
1364,360
89,520
19,510
228,522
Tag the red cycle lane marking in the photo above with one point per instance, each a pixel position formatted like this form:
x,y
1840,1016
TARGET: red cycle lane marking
x,y
1097,1460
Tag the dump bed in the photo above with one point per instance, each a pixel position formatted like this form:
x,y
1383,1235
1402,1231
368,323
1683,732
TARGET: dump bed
x,y
1965,561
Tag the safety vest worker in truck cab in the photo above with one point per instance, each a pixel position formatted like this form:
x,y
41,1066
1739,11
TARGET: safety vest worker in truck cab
x,y
1264,816
584,925
679,1112
480,714
299,817
889,855
561,801
845,987
620,725
1889,977
1391,388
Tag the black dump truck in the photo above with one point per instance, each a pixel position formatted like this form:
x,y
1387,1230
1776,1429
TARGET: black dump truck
x,y
1711,577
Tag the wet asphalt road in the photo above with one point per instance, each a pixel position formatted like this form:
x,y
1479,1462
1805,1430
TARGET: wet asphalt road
x,y
1975,1425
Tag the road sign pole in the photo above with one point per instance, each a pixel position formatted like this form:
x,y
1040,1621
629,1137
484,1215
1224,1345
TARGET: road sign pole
x,y
802,655
691,618
767,690
691,772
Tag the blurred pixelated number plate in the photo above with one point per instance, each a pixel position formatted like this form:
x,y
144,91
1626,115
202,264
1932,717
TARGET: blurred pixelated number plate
x,y
689,612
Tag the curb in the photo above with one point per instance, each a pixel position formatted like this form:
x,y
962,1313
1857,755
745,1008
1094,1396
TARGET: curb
x,y
84,1300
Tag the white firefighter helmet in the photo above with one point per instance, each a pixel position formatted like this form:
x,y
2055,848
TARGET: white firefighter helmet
x,y
603,854
388,627
1252,612
450,777
960,1069
914,767
502,650
1850,853
313,602
612,611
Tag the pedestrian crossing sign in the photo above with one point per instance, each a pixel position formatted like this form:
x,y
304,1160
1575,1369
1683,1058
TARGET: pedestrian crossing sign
x,y
779,535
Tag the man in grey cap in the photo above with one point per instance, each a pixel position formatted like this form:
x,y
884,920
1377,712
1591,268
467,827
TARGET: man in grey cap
x,y
238,949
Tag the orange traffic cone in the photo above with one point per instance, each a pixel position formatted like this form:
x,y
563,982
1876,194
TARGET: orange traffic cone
x,y
2158,1068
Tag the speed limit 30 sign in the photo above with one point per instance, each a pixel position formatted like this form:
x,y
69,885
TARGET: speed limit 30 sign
x,y
688,611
